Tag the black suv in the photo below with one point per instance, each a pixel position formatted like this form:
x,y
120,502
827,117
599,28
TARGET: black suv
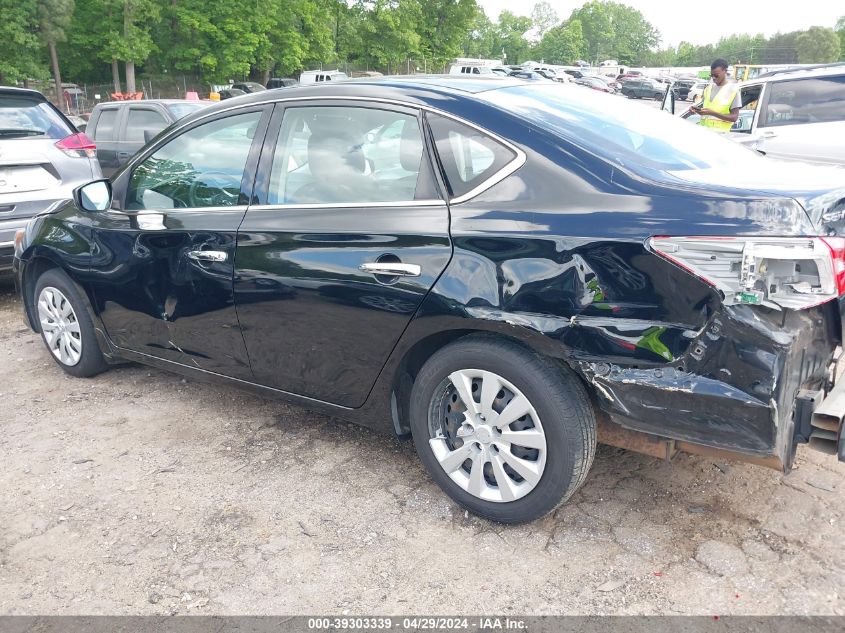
x,y
506,271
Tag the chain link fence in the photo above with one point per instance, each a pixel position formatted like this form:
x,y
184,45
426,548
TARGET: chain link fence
x,y
81,98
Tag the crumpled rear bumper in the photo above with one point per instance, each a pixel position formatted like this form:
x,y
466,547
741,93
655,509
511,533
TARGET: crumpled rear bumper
x,y
735,387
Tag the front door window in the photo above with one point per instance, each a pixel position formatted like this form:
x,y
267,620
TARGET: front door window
x,y
201,168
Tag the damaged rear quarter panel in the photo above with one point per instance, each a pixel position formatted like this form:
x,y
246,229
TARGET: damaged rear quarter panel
x,y
655,344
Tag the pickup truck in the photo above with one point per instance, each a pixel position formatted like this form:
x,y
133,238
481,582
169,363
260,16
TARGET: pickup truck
x,y
121,128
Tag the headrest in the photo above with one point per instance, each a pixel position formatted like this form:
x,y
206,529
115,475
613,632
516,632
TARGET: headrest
x,y
410,146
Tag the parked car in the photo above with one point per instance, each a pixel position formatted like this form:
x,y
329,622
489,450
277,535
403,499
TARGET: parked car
x,y
593,83
682,87
248,86
228,93
120,128
610,82
281,82
320,76
793,114
553,268
43,157
78,122
696,93
528,75
642,89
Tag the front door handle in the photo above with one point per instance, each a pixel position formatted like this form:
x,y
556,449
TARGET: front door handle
x,y
207,256
392,269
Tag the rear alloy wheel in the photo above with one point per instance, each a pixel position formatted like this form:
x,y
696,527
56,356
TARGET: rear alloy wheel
x,y
66,326
506,433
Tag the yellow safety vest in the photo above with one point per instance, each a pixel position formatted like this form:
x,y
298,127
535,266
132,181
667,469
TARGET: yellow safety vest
x,y
721,104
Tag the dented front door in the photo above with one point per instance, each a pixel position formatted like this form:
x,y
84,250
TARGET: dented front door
x,y
163,265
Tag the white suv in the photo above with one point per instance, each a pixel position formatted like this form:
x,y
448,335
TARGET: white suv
x,y
794,114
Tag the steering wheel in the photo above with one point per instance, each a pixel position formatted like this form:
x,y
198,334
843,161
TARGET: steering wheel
x,y
209,189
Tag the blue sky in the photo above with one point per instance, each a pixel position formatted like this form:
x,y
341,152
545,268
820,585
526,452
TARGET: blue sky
x,y
704,23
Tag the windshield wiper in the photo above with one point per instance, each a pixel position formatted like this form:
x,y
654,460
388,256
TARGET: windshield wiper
x,y
10,132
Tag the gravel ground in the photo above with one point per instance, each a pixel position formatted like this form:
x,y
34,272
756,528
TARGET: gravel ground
x,y
138,492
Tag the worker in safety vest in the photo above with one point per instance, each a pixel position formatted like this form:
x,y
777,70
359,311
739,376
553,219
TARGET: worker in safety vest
x,y
722,101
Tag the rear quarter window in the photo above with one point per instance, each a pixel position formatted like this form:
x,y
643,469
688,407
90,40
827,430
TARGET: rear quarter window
x,y
22,116
468,156
799,101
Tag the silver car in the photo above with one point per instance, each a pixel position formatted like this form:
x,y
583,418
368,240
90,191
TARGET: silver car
x,y
42,160
793,114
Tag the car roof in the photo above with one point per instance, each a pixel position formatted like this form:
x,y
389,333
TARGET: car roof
x,y
821,70
414,90
27,92
143,102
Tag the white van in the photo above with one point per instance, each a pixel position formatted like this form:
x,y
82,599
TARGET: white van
x,y
463,69
317,76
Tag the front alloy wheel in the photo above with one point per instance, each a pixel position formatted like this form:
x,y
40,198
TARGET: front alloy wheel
x,y
66,326
60,326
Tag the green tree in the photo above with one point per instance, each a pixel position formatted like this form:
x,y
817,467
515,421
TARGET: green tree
x,y
482,38
840,30
543,17
20,57
389,31
686,55
509,37
443,27
54,17
781,48
563,44
818,45
614,30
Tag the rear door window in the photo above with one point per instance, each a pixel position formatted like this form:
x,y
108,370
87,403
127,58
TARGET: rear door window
x,y
104,131
813,100
468,156
142,120
348,155
22,116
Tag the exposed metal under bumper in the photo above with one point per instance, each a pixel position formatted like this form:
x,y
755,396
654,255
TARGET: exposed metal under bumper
x,y
664,448
826,423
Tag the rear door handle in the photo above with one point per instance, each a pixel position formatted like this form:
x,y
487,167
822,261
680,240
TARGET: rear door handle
x,y
392,269
123,155
207,256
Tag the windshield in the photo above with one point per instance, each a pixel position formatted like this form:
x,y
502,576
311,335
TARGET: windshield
x,y
629,136
24,117
179,110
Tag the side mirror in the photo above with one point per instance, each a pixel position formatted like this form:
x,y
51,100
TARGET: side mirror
x,y
95,196
669,101
149,135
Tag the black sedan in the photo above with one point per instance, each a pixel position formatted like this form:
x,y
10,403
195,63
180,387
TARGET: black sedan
x,y
506,272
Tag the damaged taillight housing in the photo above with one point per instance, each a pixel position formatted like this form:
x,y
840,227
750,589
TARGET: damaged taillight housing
x,y
779,272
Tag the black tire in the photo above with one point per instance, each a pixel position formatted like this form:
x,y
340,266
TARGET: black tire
x,y
91,361
557,396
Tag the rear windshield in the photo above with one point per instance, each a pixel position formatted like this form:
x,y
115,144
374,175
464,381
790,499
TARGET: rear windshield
x,y
611,129
179,110
25,117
